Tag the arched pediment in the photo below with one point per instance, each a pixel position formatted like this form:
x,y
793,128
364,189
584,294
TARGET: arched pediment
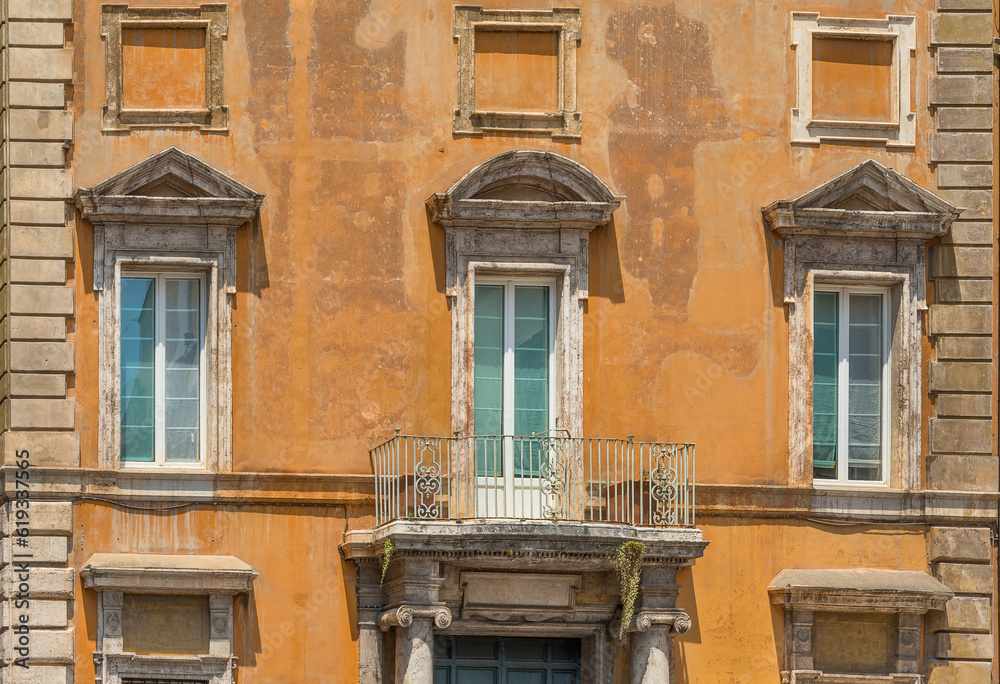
x,y
526,189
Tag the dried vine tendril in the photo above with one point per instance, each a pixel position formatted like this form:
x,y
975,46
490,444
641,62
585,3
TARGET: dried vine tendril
x,y
628,566
387,550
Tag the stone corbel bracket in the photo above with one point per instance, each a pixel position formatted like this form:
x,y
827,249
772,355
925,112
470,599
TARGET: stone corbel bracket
x,y
402,616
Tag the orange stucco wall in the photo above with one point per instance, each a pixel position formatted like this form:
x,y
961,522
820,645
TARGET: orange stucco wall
x,y
342,114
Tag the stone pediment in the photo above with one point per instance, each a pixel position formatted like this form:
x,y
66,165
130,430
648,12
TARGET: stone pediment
x,y
526,189
170,187
869,200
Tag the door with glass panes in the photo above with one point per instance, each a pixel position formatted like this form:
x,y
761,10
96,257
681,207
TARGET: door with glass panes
x,y
514,393
506,660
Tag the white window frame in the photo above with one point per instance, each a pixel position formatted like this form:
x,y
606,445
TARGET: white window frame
x,y
510,282
843,418
159,445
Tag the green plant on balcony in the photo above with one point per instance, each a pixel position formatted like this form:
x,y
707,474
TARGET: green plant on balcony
x,y
387,550
627,563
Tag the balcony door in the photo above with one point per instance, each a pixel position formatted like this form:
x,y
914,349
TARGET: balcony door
x,y
514,390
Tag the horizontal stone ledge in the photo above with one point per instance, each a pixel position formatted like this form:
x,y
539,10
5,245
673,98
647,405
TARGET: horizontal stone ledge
x,y
46,518
41,64
963,405
53,10
27,214
43,449
964,348
966,578
42,299
40,183
978,233
37,385
42,414
51,154
966,472
33,95
44,613
960,436
963,291
37,271
953,5
42,582
40,674
961,319
961,147
965,60
962,29
962,176
959,544
36,34
963,90
37,549
963,614
47,646
37,328
42,356
42,124
41,241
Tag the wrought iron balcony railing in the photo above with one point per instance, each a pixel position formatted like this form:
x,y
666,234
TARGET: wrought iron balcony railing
x,y
541,477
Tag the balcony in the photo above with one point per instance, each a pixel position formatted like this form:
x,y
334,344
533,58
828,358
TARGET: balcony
x,y
550,477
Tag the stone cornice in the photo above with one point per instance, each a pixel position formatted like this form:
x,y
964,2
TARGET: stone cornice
x,y
168,573
166,211
536,545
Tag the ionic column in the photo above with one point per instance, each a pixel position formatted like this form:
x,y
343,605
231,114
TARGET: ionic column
x,y
415,640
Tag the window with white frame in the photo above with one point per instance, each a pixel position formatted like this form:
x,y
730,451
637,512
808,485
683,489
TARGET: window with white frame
x,y
514,372
854,253
165,278
850,377
162,368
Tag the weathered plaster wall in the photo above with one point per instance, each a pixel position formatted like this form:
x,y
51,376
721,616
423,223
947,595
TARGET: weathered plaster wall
x,y
342,114
296,625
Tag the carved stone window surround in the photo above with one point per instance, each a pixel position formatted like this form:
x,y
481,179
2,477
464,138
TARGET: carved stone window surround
x,y
900,132
194,233
113,575
527,237
212,18
868,226
906,594
469,120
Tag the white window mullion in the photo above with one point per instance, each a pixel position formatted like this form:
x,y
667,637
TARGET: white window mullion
x,y
843,383
508,358
161,376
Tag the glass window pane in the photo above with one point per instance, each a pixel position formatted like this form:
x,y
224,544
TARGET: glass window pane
x,y
531,359
488,360
138,344
864,391
183,340
825,391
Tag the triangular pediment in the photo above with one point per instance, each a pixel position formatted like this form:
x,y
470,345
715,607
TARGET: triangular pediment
x,y
171,187
869,186
867,201
173,173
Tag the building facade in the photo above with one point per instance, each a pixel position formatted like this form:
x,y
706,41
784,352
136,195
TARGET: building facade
x,y
412,342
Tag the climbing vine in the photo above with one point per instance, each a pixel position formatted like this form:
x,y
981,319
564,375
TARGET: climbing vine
x,y
387,550
628,566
